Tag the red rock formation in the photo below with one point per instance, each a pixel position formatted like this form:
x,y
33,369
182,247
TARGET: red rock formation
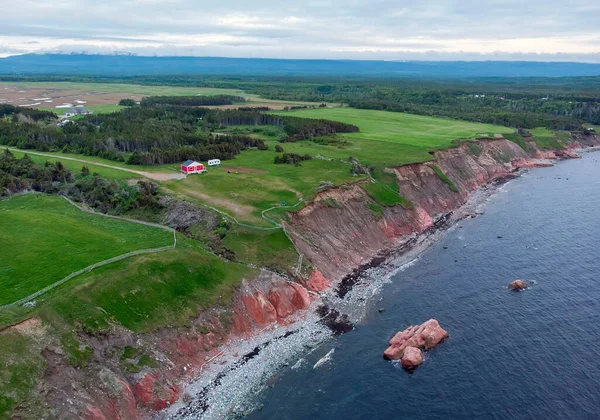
x,y
317,282
259,308
411,358
424,336
155,393
529,163
288,298
518,285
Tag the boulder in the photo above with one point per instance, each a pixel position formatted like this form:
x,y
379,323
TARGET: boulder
x,y
411,358
425,336
518,285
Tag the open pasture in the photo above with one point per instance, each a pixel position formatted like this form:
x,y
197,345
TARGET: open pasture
x,y
44,239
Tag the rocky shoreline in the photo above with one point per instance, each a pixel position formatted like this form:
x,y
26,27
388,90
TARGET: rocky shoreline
x,y
228,385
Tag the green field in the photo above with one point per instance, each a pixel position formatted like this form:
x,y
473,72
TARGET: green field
x,y
96,109
45,238
386,139
412,131
147,292
142,293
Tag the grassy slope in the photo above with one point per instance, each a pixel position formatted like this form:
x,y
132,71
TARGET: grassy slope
x,y
392,138
148,292
271,249
44,239
142,293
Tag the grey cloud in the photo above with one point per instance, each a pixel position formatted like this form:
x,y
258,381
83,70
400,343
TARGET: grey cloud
x,y
332,28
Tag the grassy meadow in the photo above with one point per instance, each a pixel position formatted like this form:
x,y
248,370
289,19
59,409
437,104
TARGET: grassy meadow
x,y
45,239
96,109
411,136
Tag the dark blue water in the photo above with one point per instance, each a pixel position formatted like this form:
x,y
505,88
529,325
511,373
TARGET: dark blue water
x,y
528,355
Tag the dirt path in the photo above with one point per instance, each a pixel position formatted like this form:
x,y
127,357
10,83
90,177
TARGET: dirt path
x,y
157,176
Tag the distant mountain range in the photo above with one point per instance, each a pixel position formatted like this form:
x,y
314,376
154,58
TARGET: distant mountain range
x,y
127,65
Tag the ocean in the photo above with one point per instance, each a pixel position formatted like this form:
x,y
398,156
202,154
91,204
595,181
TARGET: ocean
x,y
526,355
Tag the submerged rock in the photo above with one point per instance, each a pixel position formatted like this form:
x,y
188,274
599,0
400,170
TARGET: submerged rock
x,y
425,336
518,285
411,358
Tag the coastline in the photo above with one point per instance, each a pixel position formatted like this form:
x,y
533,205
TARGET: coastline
x,y
227,387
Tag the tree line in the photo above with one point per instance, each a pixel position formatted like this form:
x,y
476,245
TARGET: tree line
x,y
207,100
112,197
158,134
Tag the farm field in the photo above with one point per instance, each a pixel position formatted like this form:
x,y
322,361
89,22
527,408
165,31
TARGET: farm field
x,y
104,97
45,238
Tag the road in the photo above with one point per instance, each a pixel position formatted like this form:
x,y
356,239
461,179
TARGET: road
x,y
157,176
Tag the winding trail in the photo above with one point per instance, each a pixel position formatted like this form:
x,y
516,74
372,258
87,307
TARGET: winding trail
x,y
157,176
101,263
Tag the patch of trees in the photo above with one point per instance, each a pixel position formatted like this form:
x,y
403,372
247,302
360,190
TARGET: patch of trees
x,y
29,113
213,100
221,147
127,102
307,128
157,134
291,158
18,175
254,108
296,128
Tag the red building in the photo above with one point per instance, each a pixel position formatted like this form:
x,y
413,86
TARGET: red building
x,y
192,167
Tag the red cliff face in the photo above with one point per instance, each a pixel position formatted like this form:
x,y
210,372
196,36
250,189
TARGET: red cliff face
x,y
338,239
156,393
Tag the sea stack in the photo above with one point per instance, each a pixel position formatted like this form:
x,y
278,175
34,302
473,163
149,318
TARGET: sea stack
x,y
411,358
406,345
518,285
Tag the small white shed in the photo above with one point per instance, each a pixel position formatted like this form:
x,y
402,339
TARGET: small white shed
x,y
214,162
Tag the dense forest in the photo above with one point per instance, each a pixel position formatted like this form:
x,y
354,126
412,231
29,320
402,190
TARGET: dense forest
x,y
31,114
157,133
213,100
557,103
19,175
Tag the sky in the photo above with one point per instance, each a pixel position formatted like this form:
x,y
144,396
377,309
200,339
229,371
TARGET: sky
x,y
543,30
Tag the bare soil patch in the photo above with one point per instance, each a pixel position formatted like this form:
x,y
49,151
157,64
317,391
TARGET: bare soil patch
x,y
21,96
242,170
236,208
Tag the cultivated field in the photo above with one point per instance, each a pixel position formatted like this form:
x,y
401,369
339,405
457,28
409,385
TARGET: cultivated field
x,y
104,97
45,239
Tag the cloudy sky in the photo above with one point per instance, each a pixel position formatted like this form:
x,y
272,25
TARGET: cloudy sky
x,y
357,29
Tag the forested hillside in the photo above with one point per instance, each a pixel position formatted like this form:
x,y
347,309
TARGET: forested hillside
x,y
156,132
